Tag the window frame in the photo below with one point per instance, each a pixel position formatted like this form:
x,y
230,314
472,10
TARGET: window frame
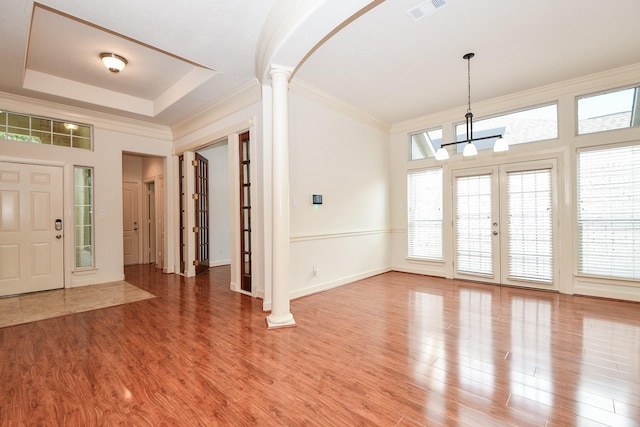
x,y
55,137
427,130
91,213
490,142
585,276
600,93
411,256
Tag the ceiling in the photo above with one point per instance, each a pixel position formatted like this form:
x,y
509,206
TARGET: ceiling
x,y
385,63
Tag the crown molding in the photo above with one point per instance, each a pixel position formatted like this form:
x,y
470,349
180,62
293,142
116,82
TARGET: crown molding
x,y
313,93
37,107
242,97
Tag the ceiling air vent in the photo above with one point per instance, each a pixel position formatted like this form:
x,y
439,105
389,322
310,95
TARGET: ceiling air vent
x,y
425,9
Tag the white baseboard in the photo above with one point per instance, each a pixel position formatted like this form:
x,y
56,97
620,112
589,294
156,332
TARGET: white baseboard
x,y
218,263
338,282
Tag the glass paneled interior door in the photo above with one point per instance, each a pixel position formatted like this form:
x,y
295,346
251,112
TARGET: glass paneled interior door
x,y
504,224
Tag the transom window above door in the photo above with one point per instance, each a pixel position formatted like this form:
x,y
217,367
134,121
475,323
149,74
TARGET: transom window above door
x,y
425,143
40,130
608,111
530,125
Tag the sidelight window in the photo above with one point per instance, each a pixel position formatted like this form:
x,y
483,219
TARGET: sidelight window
x,y
83,216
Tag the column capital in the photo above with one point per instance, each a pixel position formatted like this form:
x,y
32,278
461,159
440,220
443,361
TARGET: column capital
x,y
280,70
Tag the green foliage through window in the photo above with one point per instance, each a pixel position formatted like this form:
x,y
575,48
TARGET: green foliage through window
x,y
39,130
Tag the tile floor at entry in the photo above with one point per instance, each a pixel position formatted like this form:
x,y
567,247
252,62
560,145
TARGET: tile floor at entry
x,y
15,310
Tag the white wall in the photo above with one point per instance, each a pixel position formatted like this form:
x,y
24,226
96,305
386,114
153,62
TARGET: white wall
x,y
563,150
111,138
219,207
346,161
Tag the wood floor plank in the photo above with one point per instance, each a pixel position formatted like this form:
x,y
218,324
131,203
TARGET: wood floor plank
x,y
392,350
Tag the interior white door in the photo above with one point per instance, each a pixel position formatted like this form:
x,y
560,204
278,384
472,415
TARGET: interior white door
x,y
31,228
131,223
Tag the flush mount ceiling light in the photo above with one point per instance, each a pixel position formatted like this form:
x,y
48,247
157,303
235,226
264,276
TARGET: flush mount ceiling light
x,y
470,148
114,63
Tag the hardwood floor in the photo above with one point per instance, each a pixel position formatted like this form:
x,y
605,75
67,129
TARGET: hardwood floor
x,y
392,350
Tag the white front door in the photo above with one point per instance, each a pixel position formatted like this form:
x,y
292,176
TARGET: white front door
x,y
31,234
131,223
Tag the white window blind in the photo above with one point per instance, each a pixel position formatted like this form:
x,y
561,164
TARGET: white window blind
x,y
609,212
474,252
424,190
529,210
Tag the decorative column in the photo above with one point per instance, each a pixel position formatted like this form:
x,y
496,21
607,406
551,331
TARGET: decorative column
x,y
280,315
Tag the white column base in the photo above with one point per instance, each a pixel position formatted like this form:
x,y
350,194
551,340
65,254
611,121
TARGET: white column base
x,y
275,322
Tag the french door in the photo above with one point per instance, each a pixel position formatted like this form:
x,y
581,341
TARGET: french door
x,y
504,224
245,212
201,212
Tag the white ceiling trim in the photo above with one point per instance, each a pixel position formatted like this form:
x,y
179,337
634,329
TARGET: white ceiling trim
x,y
70,89
246,95
191,81
310,92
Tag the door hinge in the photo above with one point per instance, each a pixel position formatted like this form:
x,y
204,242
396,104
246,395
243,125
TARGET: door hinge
x,y
196,262
194,163
196,229
195,196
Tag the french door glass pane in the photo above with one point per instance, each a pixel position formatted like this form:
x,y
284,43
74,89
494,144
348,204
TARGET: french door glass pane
x,y
529,210
474,252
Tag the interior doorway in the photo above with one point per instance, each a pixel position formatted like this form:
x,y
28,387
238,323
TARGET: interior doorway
x,y
219,223
143,210
230,208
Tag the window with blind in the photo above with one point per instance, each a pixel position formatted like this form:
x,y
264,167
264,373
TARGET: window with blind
x,y
424,193
609,212
530,212
474,251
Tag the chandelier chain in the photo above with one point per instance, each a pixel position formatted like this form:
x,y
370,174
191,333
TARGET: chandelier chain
x,y
469,82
